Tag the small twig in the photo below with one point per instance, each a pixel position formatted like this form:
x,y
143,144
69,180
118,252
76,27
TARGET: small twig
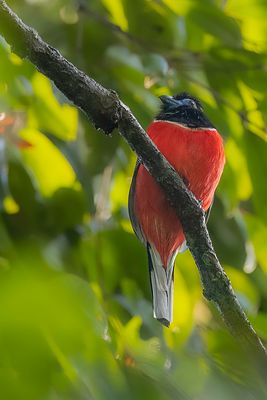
x,y
106,111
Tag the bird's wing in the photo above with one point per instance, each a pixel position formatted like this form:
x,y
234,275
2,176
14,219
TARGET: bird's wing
x,y
135,224
184,246
207,213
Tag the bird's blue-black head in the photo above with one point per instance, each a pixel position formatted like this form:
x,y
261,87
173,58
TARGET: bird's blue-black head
x,y
183,109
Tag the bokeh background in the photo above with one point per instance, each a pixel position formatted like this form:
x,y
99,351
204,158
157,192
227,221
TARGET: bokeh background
x,y
75,303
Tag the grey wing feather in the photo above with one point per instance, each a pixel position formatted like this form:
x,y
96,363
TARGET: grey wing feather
x,y
208,211
133,219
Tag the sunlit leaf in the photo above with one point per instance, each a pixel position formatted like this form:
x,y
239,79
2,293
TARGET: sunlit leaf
x,y
256,153
247,9
258,234
180,8
236,161
255,118
10,206
48,114
41,157
117,12
120,190
216,23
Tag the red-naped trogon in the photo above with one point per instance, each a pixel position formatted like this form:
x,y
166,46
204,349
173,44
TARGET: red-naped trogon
x,y
190,142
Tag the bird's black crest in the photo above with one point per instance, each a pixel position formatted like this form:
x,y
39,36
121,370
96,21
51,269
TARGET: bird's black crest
x,y
185,95
184,109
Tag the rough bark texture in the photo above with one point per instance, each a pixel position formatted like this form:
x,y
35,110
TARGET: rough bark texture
x,y
106,111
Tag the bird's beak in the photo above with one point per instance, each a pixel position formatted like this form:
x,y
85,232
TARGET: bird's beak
x,y
168,100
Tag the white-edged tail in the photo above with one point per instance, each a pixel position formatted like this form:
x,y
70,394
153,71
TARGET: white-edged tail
x,y
162,285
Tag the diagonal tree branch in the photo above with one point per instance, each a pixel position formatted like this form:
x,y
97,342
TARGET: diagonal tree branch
x,y
107,112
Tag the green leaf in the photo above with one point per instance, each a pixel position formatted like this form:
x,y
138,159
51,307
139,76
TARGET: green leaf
x,y
41,157
235,181
255,9
244,288
65,210
117,13
257,233
216,23
259,322
48,114
152,23
256,153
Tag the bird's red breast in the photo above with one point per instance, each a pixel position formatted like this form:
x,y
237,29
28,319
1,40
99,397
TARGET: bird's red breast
x,y
198,157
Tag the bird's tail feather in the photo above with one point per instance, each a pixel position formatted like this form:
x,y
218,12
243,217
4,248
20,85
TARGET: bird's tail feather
x,y
161,280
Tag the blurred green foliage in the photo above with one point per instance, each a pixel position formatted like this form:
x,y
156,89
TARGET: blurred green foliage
x,y
76,319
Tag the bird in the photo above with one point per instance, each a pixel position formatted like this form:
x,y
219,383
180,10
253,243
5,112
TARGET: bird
x,y
193,146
